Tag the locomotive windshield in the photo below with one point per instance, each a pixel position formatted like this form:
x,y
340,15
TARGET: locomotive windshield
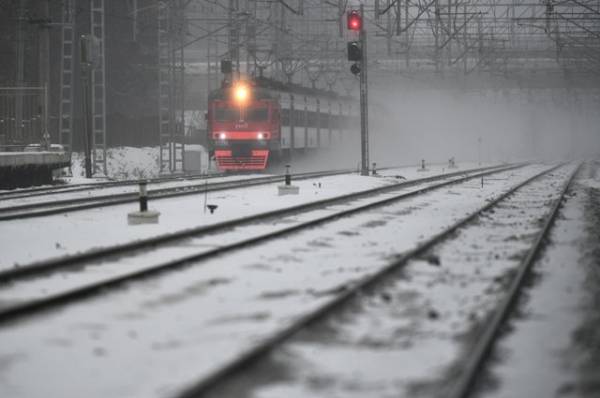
x,y
236,114
257,115
227,114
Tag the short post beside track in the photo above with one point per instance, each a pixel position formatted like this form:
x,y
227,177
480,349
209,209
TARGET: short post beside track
x,y
288,176
143,216
143,196
287,188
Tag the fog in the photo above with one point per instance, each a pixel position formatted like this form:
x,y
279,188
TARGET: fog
x,y
407,125
512,124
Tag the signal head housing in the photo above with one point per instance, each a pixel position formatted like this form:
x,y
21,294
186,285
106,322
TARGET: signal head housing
x,y
354,20
354,51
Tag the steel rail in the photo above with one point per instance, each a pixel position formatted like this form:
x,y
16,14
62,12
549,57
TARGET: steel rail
x,y
68,188
10,275
467,379
31,306
369,282
86,203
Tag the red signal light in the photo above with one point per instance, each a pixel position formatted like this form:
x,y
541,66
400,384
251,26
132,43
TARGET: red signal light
x,y
354,20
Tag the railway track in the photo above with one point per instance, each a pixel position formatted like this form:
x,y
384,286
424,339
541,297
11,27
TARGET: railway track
x,y
222,380
87,187
34,284
54,206
71,188
483,347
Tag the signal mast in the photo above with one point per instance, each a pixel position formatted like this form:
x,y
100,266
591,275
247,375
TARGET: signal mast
x,y
357,52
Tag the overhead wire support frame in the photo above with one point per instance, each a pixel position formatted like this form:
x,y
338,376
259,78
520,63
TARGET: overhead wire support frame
x,y
170,86
98,88
65,121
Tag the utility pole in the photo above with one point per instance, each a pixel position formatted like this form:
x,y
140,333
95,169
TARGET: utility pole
x,y
480,41
398,17
341,6
466,45
18,136
449,33
388,30
436,36
208,68
281,40
86,71
234,32
44,68
398,31
134,24
407,35
247,36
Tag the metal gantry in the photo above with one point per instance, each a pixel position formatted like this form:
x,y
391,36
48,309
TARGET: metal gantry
x,y
506,37
442,38
65,121
170,86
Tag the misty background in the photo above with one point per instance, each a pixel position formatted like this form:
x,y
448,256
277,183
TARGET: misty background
x,y
478,80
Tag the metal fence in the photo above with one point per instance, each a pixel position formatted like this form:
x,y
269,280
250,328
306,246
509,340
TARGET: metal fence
x,y
23,117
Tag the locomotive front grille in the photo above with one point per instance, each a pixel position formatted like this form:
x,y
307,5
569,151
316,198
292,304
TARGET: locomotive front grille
x,y
241,150
254,160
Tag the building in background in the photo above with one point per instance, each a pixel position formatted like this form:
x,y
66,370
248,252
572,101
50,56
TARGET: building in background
x,y
131,63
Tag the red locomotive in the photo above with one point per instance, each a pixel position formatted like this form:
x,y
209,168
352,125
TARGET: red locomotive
x,y
251,125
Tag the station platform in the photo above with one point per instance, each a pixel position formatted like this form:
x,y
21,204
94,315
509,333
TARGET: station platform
x,y
30,167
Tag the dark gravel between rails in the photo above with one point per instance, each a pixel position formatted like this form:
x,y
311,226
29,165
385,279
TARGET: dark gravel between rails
x,y
211,383
29,307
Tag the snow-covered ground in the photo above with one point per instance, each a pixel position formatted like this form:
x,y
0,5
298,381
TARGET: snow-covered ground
x,y
402,339
78,231
154,256
554,345
153,337
122,163
169,331
127,163
95,190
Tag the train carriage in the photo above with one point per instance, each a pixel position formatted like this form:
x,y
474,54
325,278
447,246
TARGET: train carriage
x,y
254,124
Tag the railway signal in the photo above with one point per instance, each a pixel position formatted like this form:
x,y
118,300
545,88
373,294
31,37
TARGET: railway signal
x,y
354,20
357,52
354,51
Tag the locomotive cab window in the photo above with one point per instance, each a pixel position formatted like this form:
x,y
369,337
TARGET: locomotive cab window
x,y
257,115
227,114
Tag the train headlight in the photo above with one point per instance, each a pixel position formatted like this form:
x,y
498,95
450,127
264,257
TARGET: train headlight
x,y
260,136
241,93
222,136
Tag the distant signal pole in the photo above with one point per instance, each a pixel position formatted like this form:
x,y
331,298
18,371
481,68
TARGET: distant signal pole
x,y
357,51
